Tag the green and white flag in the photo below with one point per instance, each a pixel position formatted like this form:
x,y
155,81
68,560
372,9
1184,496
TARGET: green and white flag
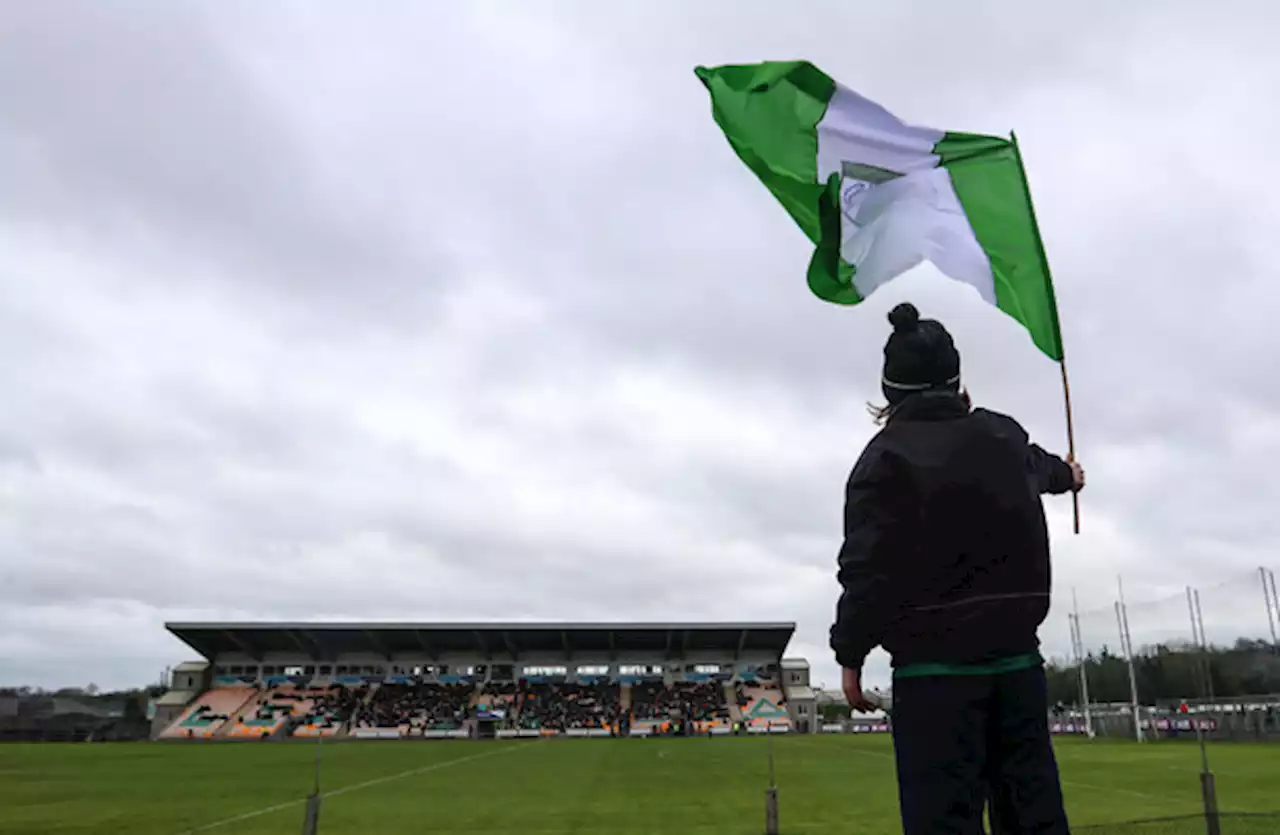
x,y
877,196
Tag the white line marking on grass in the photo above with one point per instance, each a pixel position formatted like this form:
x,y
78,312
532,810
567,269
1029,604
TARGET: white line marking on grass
x,y
1119,789
266,810
844,748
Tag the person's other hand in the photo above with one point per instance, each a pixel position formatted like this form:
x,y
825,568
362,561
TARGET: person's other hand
x,y
1077,474
851,682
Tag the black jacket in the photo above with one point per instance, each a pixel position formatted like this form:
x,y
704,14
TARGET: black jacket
x,y
946,552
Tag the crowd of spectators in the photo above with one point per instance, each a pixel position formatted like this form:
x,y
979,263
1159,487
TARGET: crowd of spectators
x,y
334,706
429,706
692,701
276,703
539,706
563,707
501,691
205,714
499,700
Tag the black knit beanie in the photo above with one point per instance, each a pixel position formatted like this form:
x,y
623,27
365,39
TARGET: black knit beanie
x,y
919,356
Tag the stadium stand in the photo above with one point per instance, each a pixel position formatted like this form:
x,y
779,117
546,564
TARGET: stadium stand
x,y
370,680
209,713
269,712
765,707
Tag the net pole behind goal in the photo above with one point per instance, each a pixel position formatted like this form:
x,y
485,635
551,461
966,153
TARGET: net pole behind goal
x,y
1078,641
1122,621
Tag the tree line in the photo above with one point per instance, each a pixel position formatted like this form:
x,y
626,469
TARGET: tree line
x,y
1172,673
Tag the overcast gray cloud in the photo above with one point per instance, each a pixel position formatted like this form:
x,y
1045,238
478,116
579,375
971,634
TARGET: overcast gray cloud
x,y
469,311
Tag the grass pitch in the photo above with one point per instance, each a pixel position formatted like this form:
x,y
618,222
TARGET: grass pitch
x,y
830,784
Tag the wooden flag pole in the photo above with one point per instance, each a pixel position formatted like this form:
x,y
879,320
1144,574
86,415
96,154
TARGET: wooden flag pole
x,y
1062,362
1071,441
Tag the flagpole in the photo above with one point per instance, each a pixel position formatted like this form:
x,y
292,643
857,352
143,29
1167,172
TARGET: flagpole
x,y
1071,439
1062,361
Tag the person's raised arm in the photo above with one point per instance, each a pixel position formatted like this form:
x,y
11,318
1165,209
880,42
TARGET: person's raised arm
x,y
1052,474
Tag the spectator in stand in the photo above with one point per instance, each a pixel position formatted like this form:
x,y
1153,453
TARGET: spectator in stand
x,y
334,706
690,701
562,707
416,706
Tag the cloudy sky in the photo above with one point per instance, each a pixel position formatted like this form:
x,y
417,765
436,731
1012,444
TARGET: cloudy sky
x,y
467,311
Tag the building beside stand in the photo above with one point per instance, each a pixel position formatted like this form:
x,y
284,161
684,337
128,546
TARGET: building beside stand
x,y
745,656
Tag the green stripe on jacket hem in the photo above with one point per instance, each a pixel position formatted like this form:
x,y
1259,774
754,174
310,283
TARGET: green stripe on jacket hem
x,y
1002,665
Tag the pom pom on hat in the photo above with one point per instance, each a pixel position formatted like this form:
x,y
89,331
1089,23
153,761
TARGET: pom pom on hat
x,y
904,318
918,356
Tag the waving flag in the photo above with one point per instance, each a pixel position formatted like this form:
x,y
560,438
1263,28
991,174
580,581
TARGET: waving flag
x,y
878,196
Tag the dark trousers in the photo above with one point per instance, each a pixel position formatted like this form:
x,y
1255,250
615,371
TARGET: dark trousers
x,y
963,742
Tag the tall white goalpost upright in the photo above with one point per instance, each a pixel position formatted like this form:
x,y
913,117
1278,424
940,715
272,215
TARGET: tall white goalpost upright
x,y
1273,606
1077,643
1122,621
